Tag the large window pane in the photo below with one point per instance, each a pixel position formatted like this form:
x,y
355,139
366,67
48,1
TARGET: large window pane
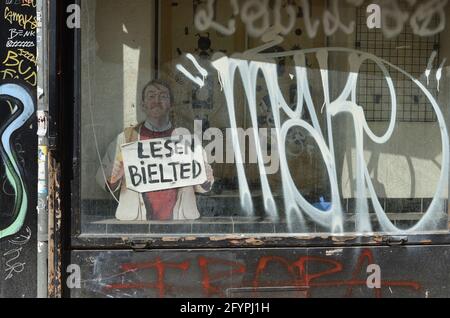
x,y
313,117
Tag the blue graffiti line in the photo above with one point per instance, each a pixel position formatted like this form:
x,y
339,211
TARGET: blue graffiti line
x,y
24,112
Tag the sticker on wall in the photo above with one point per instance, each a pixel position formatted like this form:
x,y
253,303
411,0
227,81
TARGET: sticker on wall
x,y
42,153
42,123
42,187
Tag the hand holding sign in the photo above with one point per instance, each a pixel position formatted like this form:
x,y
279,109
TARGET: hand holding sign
x,y
161,164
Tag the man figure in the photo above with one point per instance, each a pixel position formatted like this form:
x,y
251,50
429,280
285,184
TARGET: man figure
x,y
172,204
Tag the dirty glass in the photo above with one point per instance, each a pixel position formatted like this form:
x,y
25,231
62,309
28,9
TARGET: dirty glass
x,y
308,117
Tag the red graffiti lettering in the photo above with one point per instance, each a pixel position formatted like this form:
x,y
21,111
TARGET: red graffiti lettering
x,y
160,269
309,273
205,265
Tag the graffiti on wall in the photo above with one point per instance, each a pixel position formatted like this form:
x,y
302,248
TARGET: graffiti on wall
x,y
217,275
18,79
25,110
256,15
246,68
19,59
14,263
18,69
295,203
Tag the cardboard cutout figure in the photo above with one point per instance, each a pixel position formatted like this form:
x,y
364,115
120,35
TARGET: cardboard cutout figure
x,y
147,157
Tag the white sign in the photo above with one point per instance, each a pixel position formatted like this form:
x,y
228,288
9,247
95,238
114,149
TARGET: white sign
x,y
162,164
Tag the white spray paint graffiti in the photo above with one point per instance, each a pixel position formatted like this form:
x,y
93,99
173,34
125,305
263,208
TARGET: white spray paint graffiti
x,y
427,19
295,204
423,18
332,21
199,81
13,171
439,73
430,66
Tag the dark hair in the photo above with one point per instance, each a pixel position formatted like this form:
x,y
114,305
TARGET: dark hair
x,y
156,83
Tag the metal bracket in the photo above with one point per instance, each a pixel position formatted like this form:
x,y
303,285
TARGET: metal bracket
x,y
138,246
395,240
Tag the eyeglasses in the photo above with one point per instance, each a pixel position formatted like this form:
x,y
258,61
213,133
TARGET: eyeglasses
x,y
155,96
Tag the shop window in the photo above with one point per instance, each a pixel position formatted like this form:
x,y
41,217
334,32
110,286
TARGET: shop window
x,y
295,124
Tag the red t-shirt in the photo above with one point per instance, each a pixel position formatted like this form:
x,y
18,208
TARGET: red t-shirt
x,y
159,204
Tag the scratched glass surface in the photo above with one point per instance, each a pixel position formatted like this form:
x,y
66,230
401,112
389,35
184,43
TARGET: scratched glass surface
x,y
315,116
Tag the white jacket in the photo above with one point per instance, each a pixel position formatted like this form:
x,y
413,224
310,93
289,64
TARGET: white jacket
x,y
131,204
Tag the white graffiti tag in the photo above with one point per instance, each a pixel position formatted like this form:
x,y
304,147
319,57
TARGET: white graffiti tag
x,y
13,265
250,67
259,16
